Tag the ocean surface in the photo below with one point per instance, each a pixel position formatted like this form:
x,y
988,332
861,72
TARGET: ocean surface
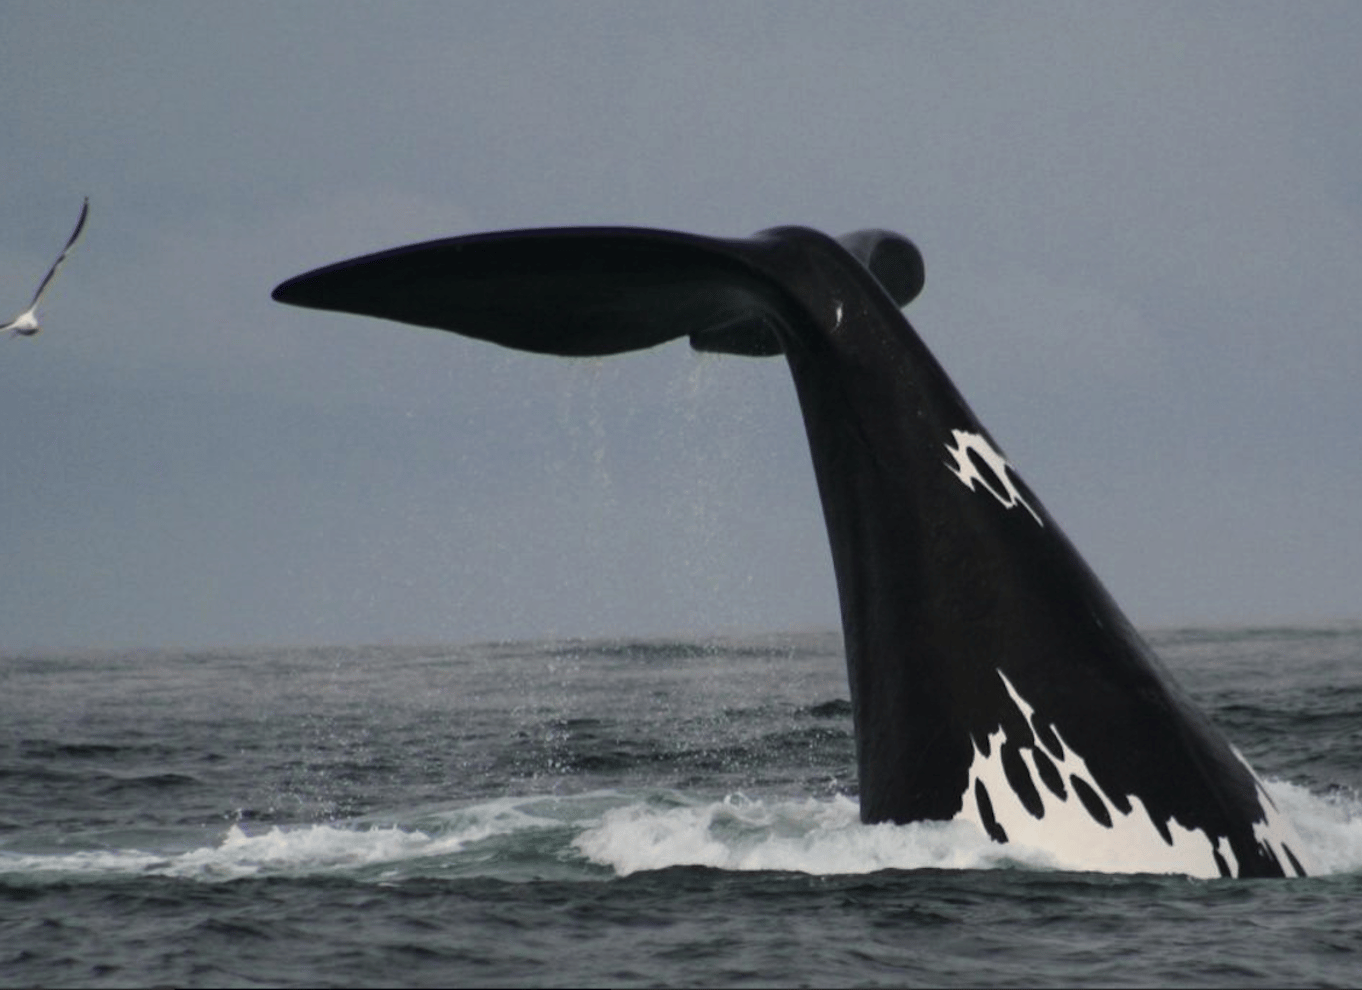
x,y
607,813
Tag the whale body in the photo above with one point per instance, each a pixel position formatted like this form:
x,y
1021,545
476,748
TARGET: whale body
x,y
992,677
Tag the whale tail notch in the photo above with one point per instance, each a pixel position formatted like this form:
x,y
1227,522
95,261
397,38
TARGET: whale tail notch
x,y
590,291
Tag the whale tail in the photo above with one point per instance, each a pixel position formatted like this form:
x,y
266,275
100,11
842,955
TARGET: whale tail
x,y
992,677
585,292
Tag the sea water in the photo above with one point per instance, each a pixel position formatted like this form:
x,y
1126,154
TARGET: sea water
x,y
676,812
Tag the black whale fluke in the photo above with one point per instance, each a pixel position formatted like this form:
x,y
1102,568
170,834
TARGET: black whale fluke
x,y
584,291
993,680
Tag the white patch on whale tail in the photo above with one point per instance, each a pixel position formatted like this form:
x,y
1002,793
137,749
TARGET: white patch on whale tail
x,y
1071,835
1275,832
966,467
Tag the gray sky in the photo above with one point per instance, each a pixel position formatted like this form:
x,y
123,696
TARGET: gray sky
x,y
1143,234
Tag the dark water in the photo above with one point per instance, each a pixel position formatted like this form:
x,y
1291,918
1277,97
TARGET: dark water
x,y
623,813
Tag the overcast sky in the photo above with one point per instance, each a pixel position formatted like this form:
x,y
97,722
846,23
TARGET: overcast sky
x,y
1142,227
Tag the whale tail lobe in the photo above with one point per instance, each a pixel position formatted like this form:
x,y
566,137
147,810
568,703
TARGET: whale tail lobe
x,y
585,292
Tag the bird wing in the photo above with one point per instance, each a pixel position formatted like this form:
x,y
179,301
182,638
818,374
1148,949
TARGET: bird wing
x,y
70,243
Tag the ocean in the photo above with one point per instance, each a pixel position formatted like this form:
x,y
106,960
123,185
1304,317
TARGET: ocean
x,y
589,813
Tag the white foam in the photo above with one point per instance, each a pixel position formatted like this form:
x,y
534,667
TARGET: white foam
x,y
308,848
808,836
296,849
1330,826
629,833
827,837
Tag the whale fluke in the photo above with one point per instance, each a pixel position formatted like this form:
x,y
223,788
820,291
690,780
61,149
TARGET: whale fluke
x,y
993,679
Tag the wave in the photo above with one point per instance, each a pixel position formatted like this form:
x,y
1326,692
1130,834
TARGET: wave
x,y
616,834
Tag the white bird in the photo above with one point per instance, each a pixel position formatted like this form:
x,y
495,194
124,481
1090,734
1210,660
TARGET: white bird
x,y
26,323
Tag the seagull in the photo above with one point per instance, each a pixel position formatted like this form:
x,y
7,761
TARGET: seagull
x,y
26,323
